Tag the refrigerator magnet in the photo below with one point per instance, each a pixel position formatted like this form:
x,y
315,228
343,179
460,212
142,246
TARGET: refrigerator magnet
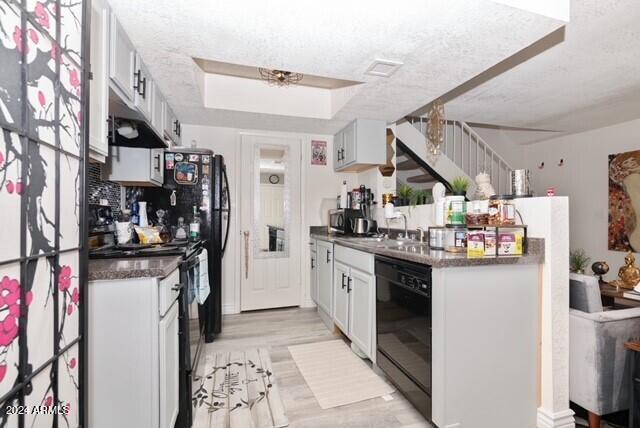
x,y
169,164
205,169
179,157
194,158
206,158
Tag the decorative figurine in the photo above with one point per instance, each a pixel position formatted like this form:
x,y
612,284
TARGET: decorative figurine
x,y
484,189
629,274
600,268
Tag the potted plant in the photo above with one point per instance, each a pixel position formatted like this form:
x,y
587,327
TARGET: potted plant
x,y
404,195
578,260
420,197
459,186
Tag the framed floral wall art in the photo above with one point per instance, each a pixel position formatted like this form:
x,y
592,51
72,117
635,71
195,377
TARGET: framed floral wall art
x,y
624,201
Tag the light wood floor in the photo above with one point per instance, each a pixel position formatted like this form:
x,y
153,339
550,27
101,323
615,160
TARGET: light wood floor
x,y
276,330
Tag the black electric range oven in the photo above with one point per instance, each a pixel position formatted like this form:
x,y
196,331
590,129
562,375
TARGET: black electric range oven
x,y
403,328
190,313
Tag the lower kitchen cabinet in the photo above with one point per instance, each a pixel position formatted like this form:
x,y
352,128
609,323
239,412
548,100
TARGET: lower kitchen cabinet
x,y
354,297
313,282
133,355
362,288
341,295
325,277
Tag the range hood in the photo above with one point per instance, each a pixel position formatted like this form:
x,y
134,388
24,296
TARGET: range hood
x,y
125,132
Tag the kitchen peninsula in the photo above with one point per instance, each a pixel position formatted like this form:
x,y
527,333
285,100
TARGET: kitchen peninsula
x,y
441,326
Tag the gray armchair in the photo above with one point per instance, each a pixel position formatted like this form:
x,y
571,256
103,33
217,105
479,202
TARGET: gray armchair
x,y
598,363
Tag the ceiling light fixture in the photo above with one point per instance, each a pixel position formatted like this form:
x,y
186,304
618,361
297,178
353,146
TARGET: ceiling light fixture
x,y
279,77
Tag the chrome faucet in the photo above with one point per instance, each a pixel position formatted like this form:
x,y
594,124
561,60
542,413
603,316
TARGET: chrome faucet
x,y
406,232
421,233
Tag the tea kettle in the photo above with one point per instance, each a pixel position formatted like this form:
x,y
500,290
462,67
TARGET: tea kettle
x,y
362,226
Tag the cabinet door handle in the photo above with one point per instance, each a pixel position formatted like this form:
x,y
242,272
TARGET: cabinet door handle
x,y
141,84
175,127
312,264
349,285
328,259
157,162
343,278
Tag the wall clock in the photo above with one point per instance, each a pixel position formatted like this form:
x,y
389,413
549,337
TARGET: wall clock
x,y
274,179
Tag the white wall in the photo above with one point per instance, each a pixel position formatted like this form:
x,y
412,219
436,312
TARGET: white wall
x,y
318,183
584,178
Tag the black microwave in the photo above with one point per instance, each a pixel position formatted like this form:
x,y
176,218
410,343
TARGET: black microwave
x,y
341,221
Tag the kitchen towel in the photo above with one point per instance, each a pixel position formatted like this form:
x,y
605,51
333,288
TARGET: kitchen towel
x,y
203,290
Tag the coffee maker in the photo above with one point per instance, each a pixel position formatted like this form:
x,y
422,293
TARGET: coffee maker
x,y
356,219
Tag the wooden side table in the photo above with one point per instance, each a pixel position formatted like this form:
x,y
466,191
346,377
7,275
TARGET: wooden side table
x,y
634,396
611,294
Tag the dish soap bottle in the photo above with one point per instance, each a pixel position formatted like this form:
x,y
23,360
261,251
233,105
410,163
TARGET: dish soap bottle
x,y
194,227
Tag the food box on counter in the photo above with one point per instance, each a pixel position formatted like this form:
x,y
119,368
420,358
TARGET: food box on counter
x,y
482,243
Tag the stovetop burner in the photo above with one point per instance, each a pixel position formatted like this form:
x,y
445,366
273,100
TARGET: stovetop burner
x,y
178,248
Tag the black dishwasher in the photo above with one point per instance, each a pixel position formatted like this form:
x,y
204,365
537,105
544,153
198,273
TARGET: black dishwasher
x,y
403,328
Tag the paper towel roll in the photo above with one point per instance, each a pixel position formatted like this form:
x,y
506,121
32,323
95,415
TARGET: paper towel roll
x,y
343,195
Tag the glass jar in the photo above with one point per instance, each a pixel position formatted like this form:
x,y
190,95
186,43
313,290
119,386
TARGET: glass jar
x,y
502,212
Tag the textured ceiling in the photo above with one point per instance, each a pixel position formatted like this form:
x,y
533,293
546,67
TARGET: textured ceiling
x,y
442,44
590,80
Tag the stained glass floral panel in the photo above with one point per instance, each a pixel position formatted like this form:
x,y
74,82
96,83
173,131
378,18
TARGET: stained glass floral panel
x,y
41,80
43,13
41,395
68,392
71,28
41,200
11,45
69,226
68,298
70,106
9,313
11,187
39,299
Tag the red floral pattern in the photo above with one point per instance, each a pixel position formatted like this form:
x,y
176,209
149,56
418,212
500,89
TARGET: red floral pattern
x,y
10,307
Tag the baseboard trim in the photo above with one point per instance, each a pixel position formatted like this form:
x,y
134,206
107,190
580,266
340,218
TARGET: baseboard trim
x,y
229,309
563,419
308,304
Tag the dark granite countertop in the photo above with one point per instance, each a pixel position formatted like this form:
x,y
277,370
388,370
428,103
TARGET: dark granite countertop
x,y
130,268
436,258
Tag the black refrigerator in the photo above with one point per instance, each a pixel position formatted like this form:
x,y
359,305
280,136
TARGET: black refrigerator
x,y
199,178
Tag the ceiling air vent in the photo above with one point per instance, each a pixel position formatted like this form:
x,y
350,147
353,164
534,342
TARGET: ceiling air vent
x,y
383,68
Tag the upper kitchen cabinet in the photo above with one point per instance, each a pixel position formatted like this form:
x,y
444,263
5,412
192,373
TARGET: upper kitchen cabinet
x,y
360,145
157,117
172,126
143,88
131,166
99,83
122,62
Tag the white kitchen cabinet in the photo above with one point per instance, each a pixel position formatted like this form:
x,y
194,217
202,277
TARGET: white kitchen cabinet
x,y
169,368
157,110
132,166
172,126
133,356
325,277
143,85
361,287
122,61
362,144
355,302
313,281
341,295
99,83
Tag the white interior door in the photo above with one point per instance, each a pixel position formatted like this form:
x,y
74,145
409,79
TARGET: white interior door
x,y
270,222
